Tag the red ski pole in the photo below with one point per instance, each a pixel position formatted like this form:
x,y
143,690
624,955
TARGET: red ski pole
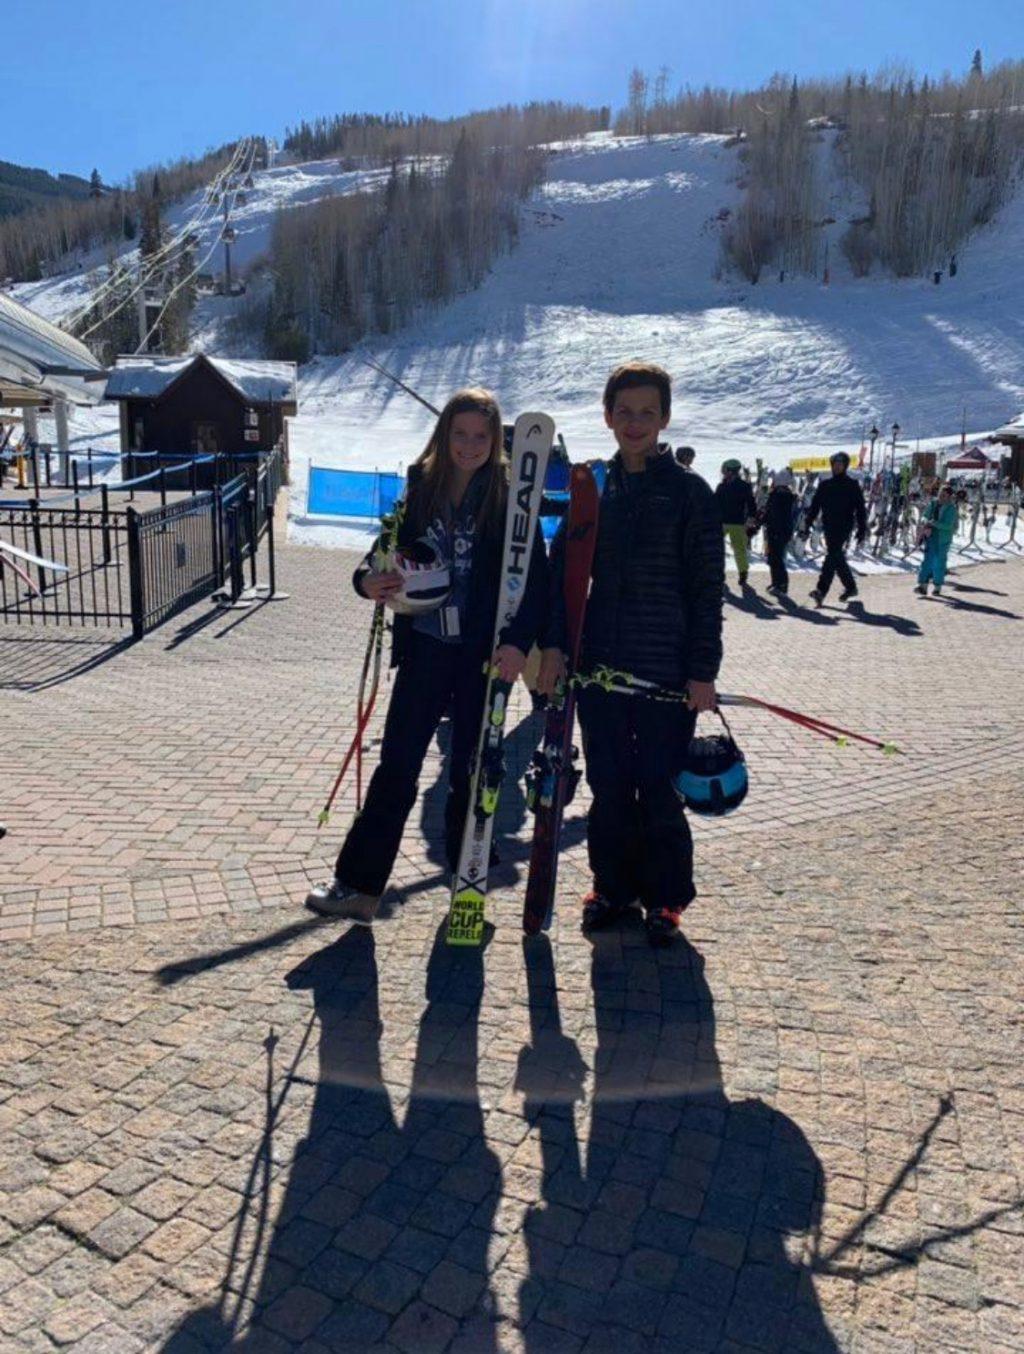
x,y
363,713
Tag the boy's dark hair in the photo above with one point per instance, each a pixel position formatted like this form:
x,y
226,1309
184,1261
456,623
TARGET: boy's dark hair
x,y
631,375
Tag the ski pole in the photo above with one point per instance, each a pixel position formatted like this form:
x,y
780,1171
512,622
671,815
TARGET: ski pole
x,y
811,722
373,650
624,683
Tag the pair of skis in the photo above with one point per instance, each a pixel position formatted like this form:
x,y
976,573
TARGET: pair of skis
x,y
554,759
531,444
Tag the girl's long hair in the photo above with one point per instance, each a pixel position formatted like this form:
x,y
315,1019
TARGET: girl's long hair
x,y
433,495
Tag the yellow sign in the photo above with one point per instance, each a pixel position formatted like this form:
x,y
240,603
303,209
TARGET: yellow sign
x,y
816,465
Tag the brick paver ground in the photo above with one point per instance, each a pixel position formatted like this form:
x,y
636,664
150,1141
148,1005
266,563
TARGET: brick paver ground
x,y
223,1122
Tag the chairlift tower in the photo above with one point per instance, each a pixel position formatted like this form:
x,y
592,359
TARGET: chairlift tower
x,y
149,301
227,234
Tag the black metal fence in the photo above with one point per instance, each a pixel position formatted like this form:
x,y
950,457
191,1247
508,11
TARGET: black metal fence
x,y
172,558
129,566
91,544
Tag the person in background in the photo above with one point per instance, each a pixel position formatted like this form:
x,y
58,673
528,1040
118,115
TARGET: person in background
x,y
840,501
685,456
737,506
779,517
937,528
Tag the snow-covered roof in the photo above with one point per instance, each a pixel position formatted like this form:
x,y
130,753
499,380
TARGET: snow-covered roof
x,y
1015,428
973,456
148,378
35,353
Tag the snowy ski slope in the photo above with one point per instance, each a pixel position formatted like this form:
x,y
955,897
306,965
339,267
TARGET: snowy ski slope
x,y
618,258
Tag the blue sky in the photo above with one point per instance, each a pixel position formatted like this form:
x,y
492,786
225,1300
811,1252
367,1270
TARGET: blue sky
x,y
121,85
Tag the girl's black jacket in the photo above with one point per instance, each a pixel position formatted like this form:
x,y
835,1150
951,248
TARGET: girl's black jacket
x,y
485,574
655,606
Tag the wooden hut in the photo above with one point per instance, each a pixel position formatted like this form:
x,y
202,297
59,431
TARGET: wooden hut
x,y
201,404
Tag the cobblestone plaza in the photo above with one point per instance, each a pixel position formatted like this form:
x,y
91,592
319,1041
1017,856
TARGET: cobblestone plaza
x,y
225,1122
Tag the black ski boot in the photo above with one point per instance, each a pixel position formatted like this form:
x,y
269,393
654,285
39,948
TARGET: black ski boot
x,y
662,925
599,911
848,595
816,597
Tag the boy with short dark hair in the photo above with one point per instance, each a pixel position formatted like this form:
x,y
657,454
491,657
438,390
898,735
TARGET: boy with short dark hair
x,y
654,613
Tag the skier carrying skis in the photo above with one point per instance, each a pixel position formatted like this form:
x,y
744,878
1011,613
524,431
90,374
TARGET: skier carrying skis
x,y
937,527
779,514
840,500
737,507
654,612
456,500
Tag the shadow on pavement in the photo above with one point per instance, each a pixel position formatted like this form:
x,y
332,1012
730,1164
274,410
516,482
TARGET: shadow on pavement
x,y
749,601
804,611
968,587
902,625
657,1212
383,1228
178,969
691,1216
955,604
30,664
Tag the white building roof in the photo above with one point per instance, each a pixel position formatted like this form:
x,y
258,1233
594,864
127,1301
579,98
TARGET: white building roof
x,y
1015,428
35,353
148,377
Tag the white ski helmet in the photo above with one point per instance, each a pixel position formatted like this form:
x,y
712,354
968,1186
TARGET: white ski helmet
x,y
427,579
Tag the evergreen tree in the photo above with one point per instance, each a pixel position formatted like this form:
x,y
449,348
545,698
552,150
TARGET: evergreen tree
x,y
149,235
976,68
95,186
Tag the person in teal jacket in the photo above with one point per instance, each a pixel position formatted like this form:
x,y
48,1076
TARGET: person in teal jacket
x,y
937,526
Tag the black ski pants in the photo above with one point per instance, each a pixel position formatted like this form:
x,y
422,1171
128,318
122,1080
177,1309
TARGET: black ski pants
x,y
431,678
777,547
637,836
835,563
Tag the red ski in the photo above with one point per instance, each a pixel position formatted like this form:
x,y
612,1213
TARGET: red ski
x,y
552,776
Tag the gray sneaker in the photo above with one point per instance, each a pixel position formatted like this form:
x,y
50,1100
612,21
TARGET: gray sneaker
x,y
345,904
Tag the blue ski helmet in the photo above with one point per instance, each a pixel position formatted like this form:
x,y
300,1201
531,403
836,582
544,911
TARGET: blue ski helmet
x,y
714,775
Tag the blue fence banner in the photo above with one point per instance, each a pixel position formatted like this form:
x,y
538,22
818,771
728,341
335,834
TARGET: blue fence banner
x,y
352,493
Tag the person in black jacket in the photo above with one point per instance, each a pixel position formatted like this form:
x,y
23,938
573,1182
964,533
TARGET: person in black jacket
x,y
779,516
654,613
456,498
840,500
737,506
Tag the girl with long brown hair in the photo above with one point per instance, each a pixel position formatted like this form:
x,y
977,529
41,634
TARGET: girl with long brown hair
x,y
454,514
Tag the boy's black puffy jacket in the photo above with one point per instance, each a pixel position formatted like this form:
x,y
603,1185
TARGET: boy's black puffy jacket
x,y
779,513
736,501
484,577
840,501
655,607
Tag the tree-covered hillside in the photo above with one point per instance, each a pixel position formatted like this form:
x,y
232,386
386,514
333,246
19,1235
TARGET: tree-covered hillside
x,y
22,188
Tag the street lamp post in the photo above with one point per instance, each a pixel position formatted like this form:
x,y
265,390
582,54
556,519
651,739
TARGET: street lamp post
x,y
895,434
874,435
